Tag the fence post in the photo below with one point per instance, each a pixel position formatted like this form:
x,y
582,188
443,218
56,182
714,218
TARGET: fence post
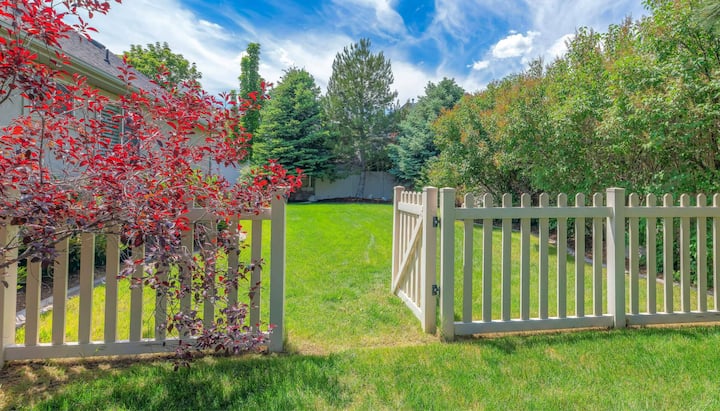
x,y
447,263
277,273
616,256
397,192
428,257
8,291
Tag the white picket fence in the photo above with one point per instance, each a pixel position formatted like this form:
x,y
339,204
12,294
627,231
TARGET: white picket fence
x,y
515,308
59,347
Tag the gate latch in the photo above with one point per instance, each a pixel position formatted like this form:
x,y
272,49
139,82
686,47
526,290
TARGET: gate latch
x,y
436,221
435,289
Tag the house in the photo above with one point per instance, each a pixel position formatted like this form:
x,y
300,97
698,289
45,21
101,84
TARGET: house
x,y
101,68
88,58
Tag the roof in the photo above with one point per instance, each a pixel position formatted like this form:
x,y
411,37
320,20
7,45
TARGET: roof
x,y
94,61
98,57
100,60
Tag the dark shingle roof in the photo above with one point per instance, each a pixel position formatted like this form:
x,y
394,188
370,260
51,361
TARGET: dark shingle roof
x,y
102,60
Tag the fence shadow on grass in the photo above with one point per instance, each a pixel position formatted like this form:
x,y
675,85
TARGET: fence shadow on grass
x,y
252,381
511,344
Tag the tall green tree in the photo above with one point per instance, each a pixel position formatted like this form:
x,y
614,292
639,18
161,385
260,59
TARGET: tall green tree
x,y
292,129
415,145
357,104
157,61
251,86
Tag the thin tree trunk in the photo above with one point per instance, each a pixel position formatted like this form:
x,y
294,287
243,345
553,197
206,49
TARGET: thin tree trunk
x,y
361,184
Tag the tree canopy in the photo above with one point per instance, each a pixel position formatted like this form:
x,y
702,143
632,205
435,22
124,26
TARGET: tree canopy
x,y
415,145
158,62
635,107
292,131
357,103
251,87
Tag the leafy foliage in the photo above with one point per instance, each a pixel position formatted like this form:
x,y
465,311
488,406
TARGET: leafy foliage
x,y
634,107
415,145
357,103
157,61
292,131
60,175
252,87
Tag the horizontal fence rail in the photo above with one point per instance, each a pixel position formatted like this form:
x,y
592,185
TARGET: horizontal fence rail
x,y
142,336
616,261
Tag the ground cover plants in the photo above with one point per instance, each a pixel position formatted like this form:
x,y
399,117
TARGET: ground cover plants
x,y
353,345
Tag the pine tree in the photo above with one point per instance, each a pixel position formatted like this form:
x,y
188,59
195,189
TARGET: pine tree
x,y
292,131
357,104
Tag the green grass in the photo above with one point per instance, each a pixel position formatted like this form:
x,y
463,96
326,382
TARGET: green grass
x,y
353,345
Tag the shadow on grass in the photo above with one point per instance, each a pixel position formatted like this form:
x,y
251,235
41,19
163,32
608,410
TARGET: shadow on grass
x,y
510,344
253,381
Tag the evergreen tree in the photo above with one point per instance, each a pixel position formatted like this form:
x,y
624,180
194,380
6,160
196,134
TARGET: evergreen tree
x,y
251,86
415,144
292,131
357,104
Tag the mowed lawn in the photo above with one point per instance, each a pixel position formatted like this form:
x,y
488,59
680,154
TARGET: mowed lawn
x,y
353,345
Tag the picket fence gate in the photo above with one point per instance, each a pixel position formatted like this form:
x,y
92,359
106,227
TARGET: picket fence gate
x,y
32,348
514,308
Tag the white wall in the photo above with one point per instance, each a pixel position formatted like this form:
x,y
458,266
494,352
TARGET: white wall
x,y
378,185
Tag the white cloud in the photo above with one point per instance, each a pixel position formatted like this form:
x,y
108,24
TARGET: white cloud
x,y
460,32
480,65
410,81
514,45
385,18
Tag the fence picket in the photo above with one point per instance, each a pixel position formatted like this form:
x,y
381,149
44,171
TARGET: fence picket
x,y
525,260
634,255
188,244
468,239
161,304
136,295
233,262
112,268
33,284
579,259
685,257
60,290
561,241
597,247
87,277
210,270
543,244
668,256
651,257
487,272
701,256
506,259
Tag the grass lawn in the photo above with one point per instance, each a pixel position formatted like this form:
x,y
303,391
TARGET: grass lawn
x,y
353,345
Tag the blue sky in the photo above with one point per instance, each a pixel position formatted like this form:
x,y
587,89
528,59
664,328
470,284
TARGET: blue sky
x,y
472,41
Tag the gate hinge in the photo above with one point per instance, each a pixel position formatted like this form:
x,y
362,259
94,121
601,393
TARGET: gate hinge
x,y
436,221
435,289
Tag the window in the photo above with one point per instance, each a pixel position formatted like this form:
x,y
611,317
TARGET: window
x,y
114,124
